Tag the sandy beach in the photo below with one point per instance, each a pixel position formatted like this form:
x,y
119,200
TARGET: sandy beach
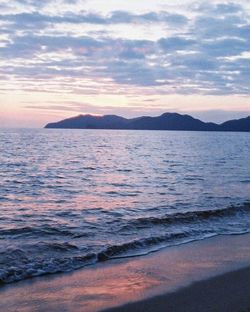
x,y
228,293
209,275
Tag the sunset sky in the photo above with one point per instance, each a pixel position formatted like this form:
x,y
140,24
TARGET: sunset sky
x,y
61,58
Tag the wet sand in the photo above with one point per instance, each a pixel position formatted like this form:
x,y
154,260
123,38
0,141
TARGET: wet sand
x,y
226,293
209,275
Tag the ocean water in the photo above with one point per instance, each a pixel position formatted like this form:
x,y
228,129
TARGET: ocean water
x,y
71,198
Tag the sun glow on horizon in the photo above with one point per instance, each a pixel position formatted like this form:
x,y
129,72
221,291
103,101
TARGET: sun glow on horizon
x,y
126,59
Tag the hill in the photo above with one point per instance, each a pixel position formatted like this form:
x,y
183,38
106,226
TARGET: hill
x,y
166,121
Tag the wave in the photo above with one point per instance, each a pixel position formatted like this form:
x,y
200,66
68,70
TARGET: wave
x,y
27,230
17,265
57,256
116,251
190,216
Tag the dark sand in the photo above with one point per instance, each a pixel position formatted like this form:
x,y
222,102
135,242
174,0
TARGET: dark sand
x,y
226,293
209,275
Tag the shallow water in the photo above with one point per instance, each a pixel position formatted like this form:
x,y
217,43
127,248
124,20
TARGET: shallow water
x,y
69,198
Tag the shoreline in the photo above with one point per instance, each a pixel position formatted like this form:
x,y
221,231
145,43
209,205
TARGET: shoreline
x,y
229,292
174,275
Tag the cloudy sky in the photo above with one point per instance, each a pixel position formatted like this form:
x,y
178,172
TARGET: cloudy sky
x,y
60,58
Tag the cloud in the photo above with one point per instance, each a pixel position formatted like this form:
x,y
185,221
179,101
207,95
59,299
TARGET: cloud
x,y
209,27
40,4
220,9
165,17
131,54
30,45
175,43
197,53
26,20
225,47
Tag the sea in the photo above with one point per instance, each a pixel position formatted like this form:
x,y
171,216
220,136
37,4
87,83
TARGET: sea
x,y
73,198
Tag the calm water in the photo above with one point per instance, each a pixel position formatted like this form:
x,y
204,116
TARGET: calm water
x,y
69,198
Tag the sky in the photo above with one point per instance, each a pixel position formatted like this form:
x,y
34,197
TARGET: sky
x,y
61,58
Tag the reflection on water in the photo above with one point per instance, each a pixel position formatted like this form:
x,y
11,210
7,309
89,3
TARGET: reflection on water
x,y
118,282
71,197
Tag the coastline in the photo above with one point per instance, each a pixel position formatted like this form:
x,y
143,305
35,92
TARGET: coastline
x,y
229,292
207,274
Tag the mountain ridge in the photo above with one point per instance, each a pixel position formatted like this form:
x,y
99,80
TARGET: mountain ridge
x,y
166,121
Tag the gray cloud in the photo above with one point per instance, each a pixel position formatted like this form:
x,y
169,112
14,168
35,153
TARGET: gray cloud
x,y
221,9
169,18
29,45
131,54
35,19
43,3
225,47
203,57
175,43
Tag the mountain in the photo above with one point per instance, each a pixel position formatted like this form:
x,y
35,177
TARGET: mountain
x,y
242,124
167,121
171,121
91,122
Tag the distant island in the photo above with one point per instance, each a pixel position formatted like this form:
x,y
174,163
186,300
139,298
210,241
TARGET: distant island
x,y
167,121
